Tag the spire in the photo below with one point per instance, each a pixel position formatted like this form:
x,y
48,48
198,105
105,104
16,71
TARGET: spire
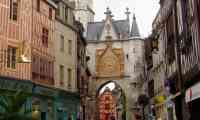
x,y
127,13
108,12
134,28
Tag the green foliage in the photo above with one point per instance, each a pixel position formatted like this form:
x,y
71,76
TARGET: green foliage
x,y
12,106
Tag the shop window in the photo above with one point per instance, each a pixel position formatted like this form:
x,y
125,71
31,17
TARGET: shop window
x,y
13,9
43,115
45,37
11,57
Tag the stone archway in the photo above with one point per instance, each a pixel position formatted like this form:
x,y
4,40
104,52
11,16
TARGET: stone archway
x,y
115,93
128,89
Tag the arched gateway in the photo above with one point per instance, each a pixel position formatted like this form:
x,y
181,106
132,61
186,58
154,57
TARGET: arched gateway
x,y
116,56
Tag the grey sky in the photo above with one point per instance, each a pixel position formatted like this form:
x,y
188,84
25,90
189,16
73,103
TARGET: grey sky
x,y
145,11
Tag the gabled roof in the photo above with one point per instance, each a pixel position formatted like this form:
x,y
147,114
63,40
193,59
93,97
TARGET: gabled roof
x,y
94,29
121,28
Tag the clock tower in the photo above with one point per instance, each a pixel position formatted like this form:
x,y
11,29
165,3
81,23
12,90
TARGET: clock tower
x,y
84,12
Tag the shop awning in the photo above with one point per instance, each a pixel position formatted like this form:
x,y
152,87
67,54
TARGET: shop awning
x,y
192,93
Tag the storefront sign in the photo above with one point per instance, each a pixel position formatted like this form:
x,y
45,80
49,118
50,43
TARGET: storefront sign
x,y
15,85
192,93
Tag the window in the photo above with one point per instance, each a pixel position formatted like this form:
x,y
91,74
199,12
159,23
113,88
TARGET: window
x,y
69,72
13,9
63,12
61,76
151,88
133,50
62,44
70,47
66,13
11,57
45,36
50,13
38,5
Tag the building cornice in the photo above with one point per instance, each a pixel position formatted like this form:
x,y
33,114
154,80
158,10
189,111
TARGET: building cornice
x,y
122,40
66,24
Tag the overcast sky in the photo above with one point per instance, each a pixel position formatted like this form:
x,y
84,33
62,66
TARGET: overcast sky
x,y
145,11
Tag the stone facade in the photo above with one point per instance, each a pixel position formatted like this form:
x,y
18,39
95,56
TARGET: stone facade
x,y
116,56
175,66
65,45
84,12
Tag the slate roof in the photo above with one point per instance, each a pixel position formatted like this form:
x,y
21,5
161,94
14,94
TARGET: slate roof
x,y
94,29
121,26
134,29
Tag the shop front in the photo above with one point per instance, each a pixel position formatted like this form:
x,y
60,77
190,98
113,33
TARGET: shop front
x,y
43,102
67,105
21,88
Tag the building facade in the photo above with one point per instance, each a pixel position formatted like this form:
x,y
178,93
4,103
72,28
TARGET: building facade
x,y
116,54
33,58
83,73
65,51
177,28
27,33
